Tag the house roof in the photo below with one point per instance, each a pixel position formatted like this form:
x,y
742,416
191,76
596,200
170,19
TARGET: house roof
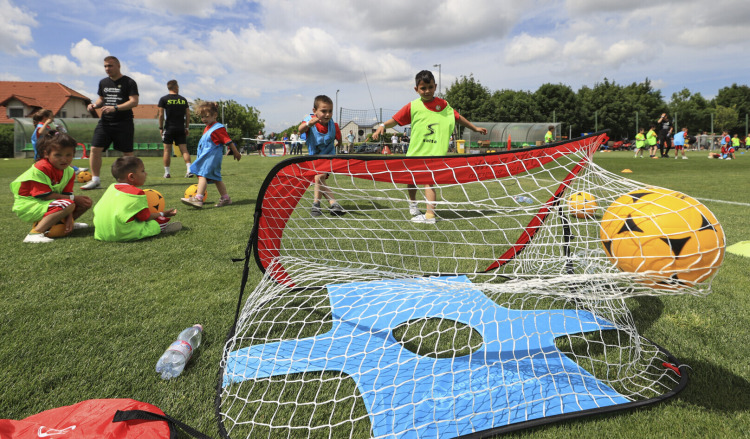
x,y
51,95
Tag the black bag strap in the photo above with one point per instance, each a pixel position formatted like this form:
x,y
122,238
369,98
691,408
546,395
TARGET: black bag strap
x,y
132,415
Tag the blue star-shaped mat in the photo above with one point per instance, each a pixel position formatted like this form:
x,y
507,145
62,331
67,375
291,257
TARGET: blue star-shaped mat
x,y
517,374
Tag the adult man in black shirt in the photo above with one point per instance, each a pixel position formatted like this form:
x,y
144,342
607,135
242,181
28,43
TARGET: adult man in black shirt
x,y
665,134
118,95
174,123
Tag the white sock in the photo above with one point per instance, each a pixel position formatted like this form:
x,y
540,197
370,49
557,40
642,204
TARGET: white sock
x,y
166,170
187,165
95,179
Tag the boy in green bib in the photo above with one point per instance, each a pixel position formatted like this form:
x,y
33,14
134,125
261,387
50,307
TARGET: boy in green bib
x,y
432,122
122,214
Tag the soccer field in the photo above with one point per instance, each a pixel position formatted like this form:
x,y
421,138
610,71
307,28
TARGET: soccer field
x,y
83,319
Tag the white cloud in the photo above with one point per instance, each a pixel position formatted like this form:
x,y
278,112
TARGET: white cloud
x,y
15,29
584,47
5,76
90,60
625,51
525,48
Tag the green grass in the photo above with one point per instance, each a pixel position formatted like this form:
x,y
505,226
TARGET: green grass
x,y
82,319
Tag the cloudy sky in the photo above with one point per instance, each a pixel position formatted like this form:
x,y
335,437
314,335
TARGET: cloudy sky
x,y
276,55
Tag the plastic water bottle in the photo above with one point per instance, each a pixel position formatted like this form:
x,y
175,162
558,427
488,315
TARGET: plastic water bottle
x,y
174,359
522,199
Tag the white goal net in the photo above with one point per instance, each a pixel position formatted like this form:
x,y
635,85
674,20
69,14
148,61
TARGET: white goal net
x,y
518,306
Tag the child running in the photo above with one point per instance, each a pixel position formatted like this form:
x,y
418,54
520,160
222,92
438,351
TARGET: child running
x,y
432,121
44,193
207,166
122,214
321,135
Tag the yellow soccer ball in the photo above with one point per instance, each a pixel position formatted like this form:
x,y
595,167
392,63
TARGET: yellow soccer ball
x,y
670,238
192,190
84,176
582,205
155,200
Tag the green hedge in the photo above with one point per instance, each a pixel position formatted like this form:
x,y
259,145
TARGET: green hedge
x,y
6,140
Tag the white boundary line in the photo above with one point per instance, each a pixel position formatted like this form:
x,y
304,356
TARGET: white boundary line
x,y
722,201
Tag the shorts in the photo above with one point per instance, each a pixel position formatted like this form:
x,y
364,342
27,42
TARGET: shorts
x,y
58,205
119,134
176,136
678,147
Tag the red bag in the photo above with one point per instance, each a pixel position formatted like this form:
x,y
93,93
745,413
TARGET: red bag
x,y
97,418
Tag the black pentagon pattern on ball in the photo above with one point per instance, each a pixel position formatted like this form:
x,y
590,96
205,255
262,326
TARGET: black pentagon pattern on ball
x,y
629,226
676,244
706,224
638,195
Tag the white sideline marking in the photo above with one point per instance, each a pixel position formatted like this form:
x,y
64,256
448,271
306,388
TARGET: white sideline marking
x,y
722,201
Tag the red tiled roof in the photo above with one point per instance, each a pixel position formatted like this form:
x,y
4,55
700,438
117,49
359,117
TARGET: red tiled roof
x,y
51,95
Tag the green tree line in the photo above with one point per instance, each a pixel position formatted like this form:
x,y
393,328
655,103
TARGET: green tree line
x,y
605,105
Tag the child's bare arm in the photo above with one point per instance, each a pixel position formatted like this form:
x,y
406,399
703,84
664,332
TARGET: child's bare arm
x,y
390,123
465,123
166,213
235,152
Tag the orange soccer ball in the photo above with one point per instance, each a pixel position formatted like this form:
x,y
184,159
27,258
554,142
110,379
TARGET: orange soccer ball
x,y
669,238
582,205
155,200
56,231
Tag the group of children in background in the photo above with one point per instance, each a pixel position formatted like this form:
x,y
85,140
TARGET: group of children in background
x,y
681,141
44,195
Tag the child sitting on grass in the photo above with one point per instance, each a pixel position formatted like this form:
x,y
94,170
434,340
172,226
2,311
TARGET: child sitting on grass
x,y
207,166
122,214
44,192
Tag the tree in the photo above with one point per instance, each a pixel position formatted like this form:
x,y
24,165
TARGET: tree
x,y
470,98
690,110
725,118
737,96
641,98
556,103
604,106
513,106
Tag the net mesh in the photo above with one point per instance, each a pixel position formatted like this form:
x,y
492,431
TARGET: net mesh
x,y
515,307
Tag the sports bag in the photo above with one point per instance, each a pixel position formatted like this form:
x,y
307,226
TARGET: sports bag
x,y
100,419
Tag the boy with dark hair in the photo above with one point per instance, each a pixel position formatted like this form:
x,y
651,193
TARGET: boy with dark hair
x,y
652,142
322,136
122,214
432,122
174,123
549,137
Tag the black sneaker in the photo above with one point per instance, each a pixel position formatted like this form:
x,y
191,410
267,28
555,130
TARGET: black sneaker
x,y
336,209
315,211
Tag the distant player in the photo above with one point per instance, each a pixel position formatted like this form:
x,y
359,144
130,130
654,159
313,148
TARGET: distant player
x,y
651,142
174,125
679,143
549,137
640,143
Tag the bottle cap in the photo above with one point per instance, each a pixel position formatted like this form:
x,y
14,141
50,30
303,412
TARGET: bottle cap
x,y
199,326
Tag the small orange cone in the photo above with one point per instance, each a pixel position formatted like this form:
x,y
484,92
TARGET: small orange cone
x,y
626,171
